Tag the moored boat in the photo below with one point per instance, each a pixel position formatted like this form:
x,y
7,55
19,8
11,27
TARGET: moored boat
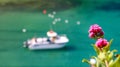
x,y
53,41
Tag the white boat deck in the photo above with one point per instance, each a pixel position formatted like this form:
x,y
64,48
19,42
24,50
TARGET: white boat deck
x,y
47,43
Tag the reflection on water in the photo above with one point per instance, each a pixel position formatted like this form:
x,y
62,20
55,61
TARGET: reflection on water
x,y
66,48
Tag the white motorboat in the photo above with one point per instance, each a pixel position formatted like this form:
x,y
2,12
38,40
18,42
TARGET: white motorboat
x,y
50,42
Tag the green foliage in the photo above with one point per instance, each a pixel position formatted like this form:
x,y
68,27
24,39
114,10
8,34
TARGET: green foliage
x,y
107,48
105,55
87,61
96,49
116,62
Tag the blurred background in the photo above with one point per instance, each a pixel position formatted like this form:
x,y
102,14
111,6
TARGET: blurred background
x,y
76,16
36,5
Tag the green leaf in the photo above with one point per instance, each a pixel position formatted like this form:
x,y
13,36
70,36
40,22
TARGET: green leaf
x,y
96,49
85,60
102,56
107,48
100,63
110,62
116,63
111,54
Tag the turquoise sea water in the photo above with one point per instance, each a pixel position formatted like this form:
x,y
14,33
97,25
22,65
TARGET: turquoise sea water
x,y
12,54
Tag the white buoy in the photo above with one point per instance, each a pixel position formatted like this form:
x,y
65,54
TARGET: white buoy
x,y
54,12
92,61
52,16
78,22
23,30
53,22
49,15
59,19
66,21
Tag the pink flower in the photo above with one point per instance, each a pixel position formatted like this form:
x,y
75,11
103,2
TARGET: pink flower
x,y
96,30
101,33
100,43
92,35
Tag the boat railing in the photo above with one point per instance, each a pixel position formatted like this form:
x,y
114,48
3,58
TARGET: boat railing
x,y
62,35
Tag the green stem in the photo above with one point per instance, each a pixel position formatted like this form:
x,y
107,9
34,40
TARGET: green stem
x,y
92,65
106,63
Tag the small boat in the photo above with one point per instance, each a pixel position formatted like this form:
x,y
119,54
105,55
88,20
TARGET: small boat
x,y
53,41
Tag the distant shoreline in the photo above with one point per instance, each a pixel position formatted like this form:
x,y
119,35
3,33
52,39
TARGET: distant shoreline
x,y
38,5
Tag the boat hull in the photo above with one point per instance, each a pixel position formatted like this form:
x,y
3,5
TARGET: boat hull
x,y
44,43
46,46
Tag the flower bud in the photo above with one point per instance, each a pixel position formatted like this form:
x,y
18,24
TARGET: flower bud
x,y
100,43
